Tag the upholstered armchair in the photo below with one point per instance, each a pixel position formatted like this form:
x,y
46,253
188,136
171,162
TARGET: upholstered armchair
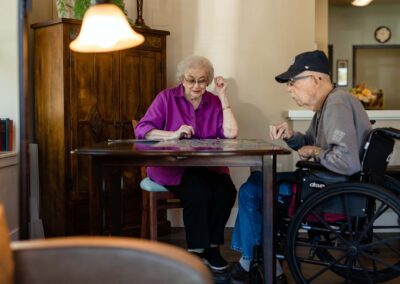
x,y
88,260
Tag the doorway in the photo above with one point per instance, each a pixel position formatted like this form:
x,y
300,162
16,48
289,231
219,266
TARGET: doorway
x,y
378,67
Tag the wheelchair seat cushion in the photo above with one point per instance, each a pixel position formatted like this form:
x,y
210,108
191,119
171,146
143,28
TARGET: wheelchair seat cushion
x,y
312,181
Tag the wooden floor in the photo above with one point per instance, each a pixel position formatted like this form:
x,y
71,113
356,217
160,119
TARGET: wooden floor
x,y
177,237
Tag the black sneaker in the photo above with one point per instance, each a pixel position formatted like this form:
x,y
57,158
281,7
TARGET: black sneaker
x,y
238,274
213,259
281,279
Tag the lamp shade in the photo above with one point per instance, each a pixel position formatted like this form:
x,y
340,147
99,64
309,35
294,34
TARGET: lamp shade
x,y
360,3
105,28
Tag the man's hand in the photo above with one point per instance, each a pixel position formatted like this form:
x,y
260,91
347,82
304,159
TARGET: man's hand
x,y
280,131
308,152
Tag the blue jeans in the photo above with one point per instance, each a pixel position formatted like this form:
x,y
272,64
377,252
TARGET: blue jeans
x,y
247,231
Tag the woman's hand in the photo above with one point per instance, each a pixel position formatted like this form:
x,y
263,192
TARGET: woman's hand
x,y
220,86
308,152
185,131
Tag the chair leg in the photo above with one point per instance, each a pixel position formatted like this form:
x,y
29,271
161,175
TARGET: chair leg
x,y
144,229
153,216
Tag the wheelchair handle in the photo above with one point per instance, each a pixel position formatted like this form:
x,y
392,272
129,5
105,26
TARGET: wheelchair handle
x,y
388,131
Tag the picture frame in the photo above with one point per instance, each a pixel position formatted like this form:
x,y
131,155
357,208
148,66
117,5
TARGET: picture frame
x,y
342,72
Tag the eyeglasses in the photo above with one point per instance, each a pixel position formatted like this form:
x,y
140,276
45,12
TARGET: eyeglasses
x,y
191,82
293,80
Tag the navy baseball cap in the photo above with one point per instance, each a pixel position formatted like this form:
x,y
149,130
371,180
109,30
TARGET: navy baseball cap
x,y
307,61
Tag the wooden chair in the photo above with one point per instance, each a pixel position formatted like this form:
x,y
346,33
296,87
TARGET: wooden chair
x,y
155,197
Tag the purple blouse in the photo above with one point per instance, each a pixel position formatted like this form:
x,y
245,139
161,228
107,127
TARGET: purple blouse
x,y
169,111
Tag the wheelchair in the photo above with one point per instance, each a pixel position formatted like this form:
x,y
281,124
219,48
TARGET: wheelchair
x,y
344,227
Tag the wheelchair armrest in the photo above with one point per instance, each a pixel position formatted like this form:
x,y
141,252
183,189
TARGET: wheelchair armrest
x,y
310,165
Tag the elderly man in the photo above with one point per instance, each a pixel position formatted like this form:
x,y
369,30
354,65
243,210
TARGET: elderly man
x,y
334,138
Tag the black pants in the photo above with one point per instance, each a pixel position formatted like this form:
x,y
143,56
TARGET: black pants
x,y
207,198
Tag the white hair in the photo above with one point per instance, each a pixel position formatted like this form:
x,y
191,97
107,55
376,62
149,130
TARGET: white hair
x,y
196,62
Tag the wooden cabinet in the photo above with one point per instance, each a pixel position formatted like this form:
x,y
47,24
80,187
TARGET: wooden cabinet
x,y
81,99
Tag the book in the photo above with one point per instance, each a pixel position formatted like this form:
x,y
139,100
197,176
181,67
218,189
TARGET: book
x,y
6,134
7,147
10,135
3,134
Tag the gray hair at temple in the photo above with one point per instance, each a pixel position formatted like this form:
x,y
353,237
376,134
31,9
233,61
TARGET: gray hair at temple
x,y
196,62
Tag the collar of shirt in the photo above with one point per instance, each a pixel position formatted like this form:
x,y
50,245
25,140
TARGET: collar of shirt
x,y
205,99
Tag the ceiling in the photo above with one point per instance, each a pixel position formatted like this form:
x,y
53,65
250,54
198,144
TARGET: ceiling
x,y
347,2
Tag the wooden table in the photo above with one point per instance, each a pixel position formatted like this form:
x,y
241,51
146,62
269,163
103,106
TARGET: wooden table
x,y
187,153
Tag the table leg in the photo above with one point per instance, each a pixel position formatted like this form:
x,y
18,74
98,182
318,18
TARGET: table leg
x,y
115,201
269,169
95,181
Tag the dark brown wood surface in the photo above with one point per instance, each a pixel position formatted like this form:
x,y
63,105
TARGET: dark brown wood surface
x,y
82,99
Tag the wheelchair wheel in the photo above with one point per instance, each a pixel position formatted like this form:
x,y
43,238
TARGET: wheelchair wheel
x,y
392,184
352,243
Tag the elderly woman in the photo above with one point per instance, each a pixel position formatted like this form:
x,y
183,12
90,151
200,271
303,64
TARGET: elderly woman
x,y
208,194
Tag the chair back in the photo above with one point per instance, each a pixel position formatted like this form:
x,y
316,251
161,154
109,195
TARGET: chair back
x,y
377,153
6,260
93,260
134,123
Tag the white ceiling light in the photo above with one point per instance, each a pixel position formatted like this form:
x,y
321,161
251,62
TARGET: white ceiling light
x,y
360,3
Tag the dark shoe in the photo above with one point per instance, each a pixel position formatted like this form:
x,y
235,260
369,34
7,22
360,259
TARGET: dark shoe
x,y
213,259
238,274
281,279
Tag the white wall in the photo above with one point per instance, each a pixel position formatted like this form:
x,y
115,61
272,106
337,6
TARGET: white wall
x,y
9,94
9,61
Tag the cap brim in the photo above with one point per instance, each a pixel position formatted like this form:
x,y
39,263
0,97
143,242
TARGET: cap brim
x,y
284,77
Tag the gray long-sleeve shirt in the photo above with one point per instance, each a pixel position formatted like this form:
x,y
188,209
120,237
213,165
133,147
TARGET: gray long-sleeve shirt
x,y
340,128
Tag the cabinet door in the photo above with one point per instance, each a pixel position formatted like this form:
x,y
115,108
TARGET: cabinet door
x,y
141,80
94,97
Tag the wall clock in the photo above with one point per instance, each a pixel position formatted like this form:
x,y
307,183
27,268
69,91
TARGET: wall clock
x,y
382,34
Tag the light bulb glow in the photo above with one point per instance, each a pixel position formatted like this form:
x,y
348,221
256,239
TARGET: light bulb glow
x,y
105,28
361,3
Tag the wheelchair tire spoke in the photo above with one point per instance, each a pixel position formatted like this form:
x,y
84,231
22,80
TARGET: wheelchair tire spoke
x,y
374,258
377,214
329,227
385,242
346,212
365,271
307,244
312,278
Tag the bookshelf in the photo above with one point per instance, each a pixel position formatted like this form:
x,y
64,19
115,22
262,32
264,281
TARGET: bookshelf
x,y
9,189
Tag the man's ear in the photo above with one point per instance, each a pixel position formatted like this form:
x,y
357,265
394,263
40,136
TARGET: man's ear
x,y
317,79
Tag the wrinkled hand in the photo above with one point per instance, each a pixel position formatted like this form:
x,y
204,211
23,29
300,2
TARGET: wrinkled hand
x,y
308,152
280,131
185,131
220,86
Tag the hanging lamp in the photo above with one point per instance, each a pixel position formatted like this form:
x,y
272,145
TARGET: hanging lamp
x,y
361,3
105,28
